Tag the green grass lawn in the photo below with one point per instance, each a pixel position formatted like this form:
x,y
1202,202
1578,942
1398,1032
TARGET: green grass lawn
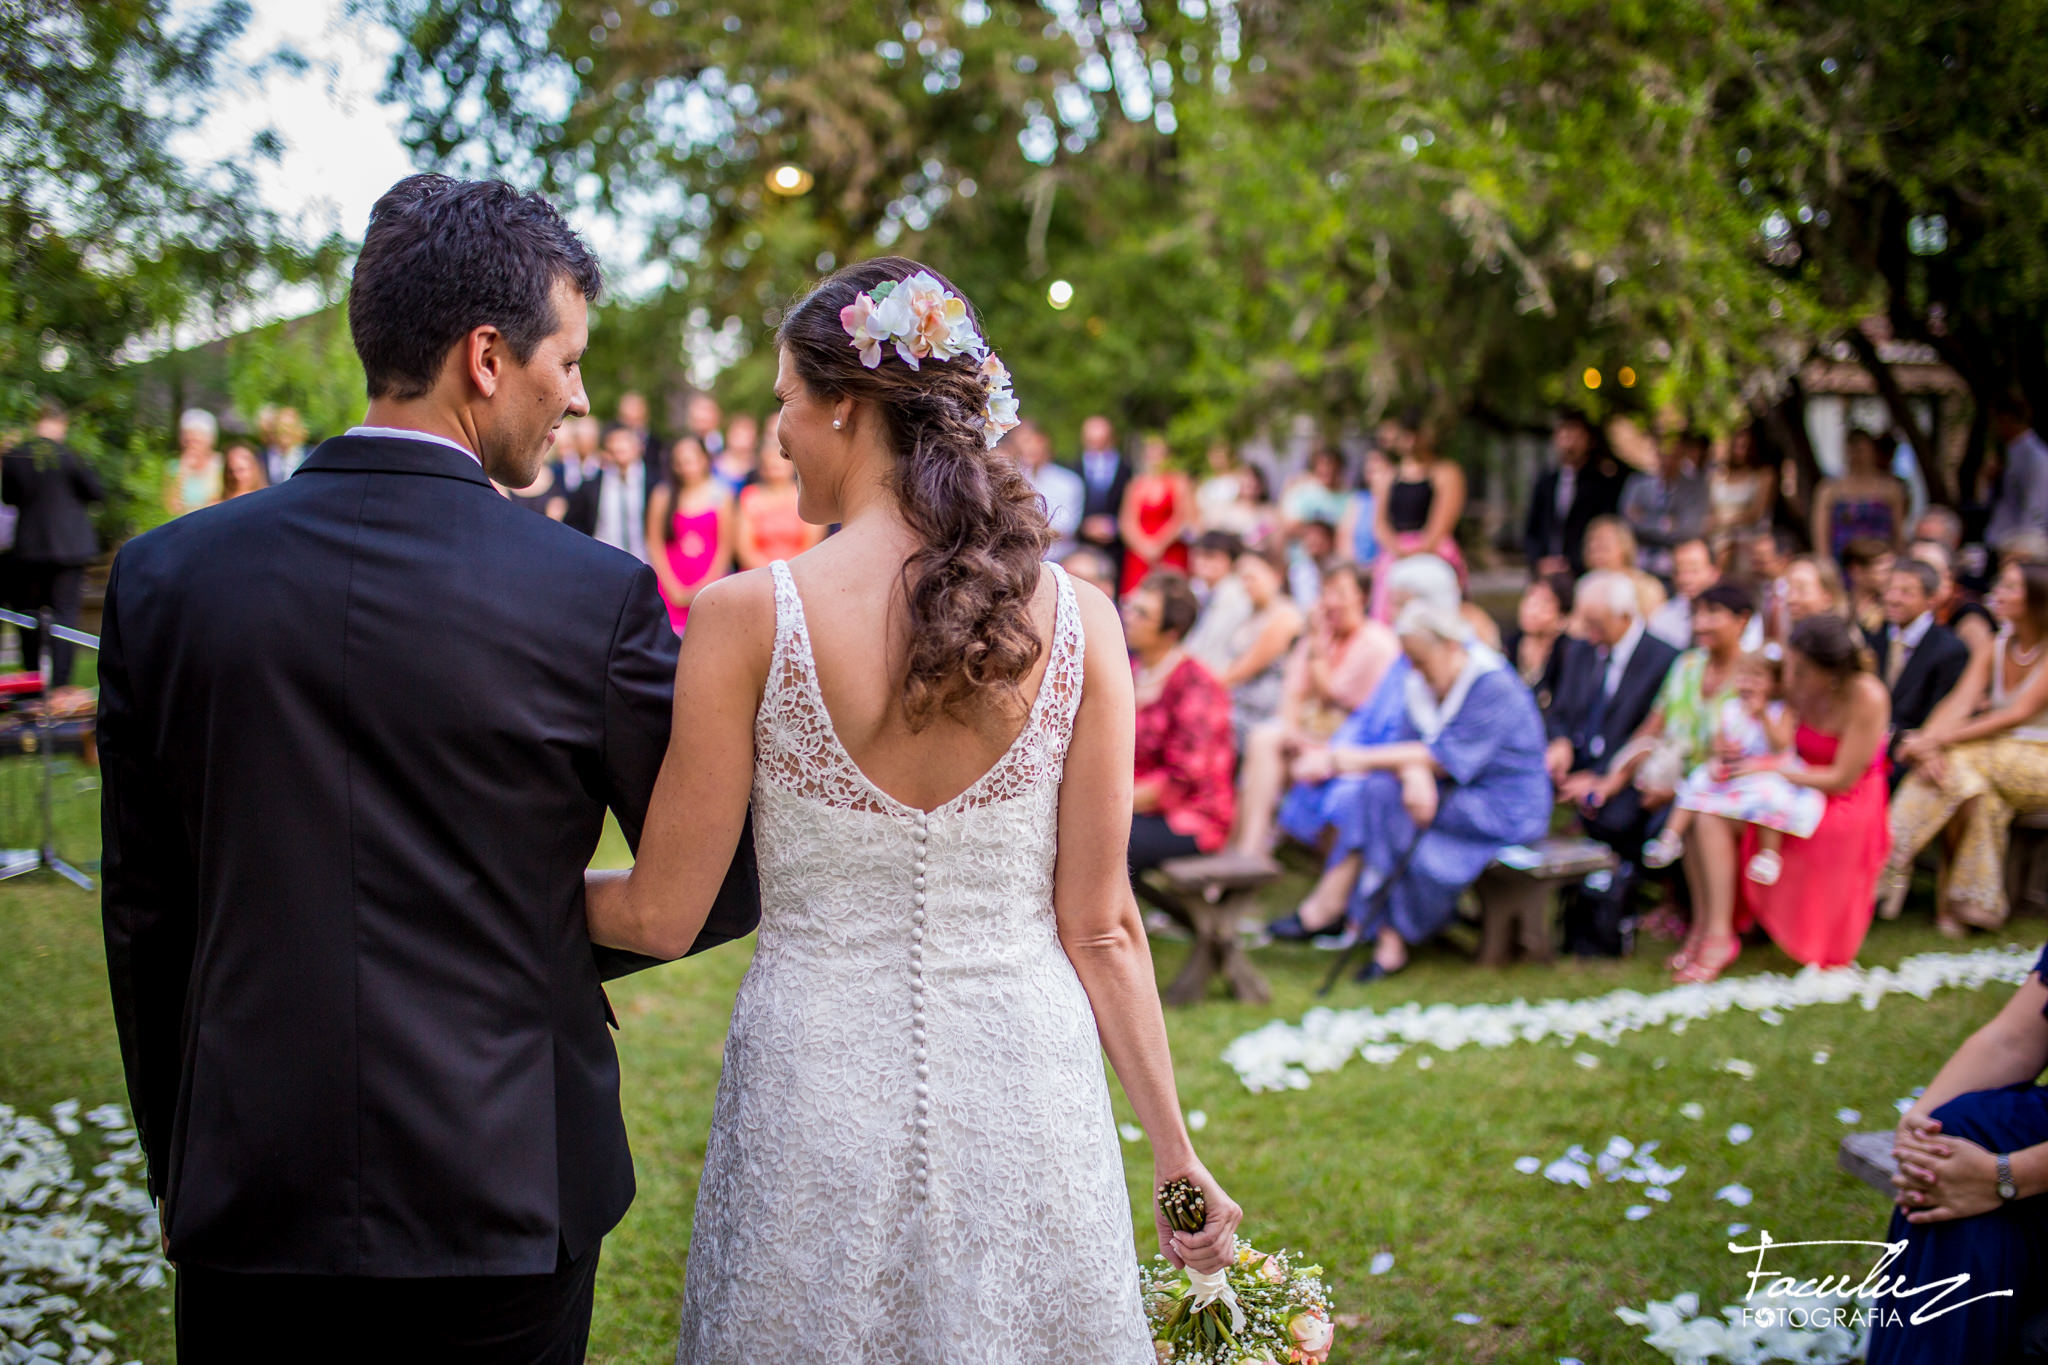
x,y
1413,1161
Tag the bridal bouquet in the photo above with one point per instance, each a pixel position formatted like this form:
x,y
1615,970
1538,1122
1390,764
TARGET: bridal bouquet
x,y
1264,1309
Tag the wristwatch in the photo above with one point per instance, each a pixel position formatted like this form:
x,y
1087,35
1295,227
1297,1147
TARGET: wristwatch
x,y
2006,1189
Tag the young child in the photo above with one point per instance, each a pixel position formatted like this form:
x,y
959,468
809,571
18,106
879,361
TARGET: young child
x,y
1757,725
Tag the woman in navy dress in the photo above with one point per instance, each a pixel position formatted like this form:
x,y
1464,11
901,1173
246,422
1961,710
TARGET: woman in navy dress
x,y
1959,1213
1463,779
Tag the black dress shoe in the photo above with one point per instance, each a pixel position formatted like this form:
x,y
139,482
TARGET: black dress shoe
x,y
1373,971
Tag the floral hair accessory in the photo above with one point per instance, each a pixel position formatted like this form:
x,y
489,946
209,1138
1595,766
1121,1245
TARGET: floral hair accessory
x,y
923,320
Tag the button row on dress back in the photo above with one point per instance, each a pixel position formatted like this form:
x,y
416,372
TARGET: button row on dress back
x,y
920,1165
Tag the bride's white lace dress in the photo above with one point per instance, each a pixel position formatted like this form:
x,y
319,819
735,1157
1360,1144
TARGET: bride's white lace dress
x,y
913,1159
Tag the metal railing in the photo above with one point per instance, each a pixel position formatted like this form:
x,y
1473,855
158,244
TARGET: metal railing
x,y
43,857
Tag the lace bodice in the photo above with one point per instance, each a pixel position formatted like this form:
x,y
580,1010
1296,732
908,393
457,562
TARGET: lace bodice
x,y
913,1076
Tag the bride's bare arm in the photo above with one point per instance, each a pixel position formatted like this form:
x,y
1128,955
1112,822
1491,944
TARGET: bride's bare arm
x,y
1103,934
700,799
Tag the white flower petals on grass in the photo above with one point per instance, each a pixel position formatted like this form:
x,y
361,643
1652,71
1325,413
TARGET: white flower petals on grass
x,y
1286,1056
1693,1110
1382,1262
1586,1060
1637,1212
1849,1115
1468,1319
1528,1165
1676,1330
1820,1058
1737,1229
1738,1195
1735,1066
1739,1133
63,1238
1197,1120
1131,1132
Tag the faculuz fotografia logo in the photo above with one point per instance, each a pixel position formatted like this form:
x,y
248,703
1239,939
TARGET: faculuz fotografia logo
x,y
1776,1298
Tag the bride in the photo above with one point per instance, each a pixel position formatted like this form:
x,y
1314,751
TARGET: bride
x,y
912,1157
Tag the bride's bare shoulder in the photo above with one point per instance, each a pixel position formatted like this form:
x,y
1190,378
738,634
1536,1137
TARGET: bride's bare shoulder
x,y
735,617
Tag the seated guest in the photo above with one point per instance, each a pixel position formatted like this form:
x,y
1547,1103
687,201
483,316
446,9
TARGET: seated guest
x,y
1920,662
1979,770
1093,567
1339,661
1867,566
1312,812
1535,646
1942,526
1251,662
1604,693
1959,610
1973,1165
1693,572
1461,779
1181,797
1818,906
1611,548
1813,587
1212,576
1309,547
1680,732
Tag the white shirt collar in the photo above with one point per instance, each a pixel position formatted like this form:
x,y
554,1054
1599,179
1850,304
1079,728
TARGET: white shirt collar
x,y
404,434
1913,632
1624,650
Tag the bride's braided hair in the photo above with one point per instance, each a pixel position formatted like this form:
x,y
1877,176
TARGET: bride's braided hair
x,y
982,530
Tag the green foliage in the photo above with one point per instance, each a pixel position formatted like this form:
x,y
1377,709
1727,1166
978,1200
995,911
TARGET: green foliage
x,y
108,239
308,363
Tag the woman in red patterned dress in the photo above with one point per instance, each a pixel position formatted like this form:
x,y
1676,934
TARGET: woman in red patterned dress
x,y
1183,801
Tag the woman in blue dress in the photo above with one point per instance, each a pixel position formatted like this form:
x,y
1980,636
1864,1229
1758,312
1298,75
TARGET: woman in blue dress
x,y
1462,779
1973,1199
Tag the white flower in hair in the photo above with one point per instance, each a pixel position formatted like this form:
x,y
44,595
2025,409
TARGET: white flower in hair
x,y
923,320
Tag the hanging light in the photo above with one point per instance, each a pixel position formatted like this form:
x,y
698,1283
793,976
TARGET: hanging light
x,y
789,180
1627,377
1591,377
1059,294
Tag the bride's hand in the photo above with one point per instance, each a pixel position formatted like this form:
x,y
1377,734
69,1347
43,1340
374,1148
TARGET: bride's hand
x,y
1215,1246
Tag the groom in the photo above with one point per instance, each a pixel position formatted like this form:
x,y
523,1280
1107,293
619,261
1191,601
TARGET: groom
x,y
360,733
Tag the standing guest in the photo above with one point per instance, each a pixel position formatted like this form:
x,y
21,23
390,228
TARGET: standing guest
x,y
1867,565
1312,545
1975,769
742,452
1942,526
1416,506
1866,503
195,481
1257,520
1920,661
1958,610
1252,663
50,485
241,471
1059,487
1159,505
1693,571
1218,495
1769,552
1742,492
1819,907
1105,474
1604,693
705,420
1182,802
2022,501
1584,482
544,495
1091,566
1222,603
633,417
1972,1153
1317,493
768,525
1537,645
620,516
579,449
1611,548
1667,506
1463,779
284,443
689,529
1356,539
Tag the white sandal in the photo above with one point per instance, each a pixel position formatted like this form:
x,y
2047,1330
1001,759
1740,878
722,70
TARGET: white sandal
x,y
1765,867
1662,851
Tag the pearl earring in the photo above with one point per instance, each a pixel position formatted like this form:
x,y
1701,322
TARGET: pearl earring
x,y
836,424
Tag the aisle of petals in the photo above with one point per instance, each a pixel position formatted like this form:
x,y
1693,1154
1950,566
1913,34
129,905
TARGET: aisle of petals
x,y
63,1237
1284,1056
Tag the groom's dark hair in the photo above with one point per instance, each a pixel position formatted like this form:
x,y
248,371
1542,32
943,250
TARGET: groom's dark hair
x,y
443,257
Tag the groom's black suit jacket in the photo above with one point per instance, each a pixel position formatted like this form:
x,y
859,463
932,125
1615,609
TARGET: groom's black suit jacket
x,y
359,734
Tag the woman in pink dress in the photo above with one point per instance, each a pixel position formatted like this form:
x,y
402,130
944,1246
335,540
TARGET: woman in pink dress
x,y
689,529
1819,906
1159,505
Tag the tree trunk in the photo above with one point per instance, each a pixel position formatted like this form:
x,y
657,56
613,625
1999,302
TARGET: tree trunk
x,y
1902,415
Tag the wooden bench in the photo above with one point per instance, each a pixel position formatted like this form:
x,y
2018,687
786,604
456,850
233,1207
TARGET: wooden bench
x,y
1211,897
1516,893
1868,1157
